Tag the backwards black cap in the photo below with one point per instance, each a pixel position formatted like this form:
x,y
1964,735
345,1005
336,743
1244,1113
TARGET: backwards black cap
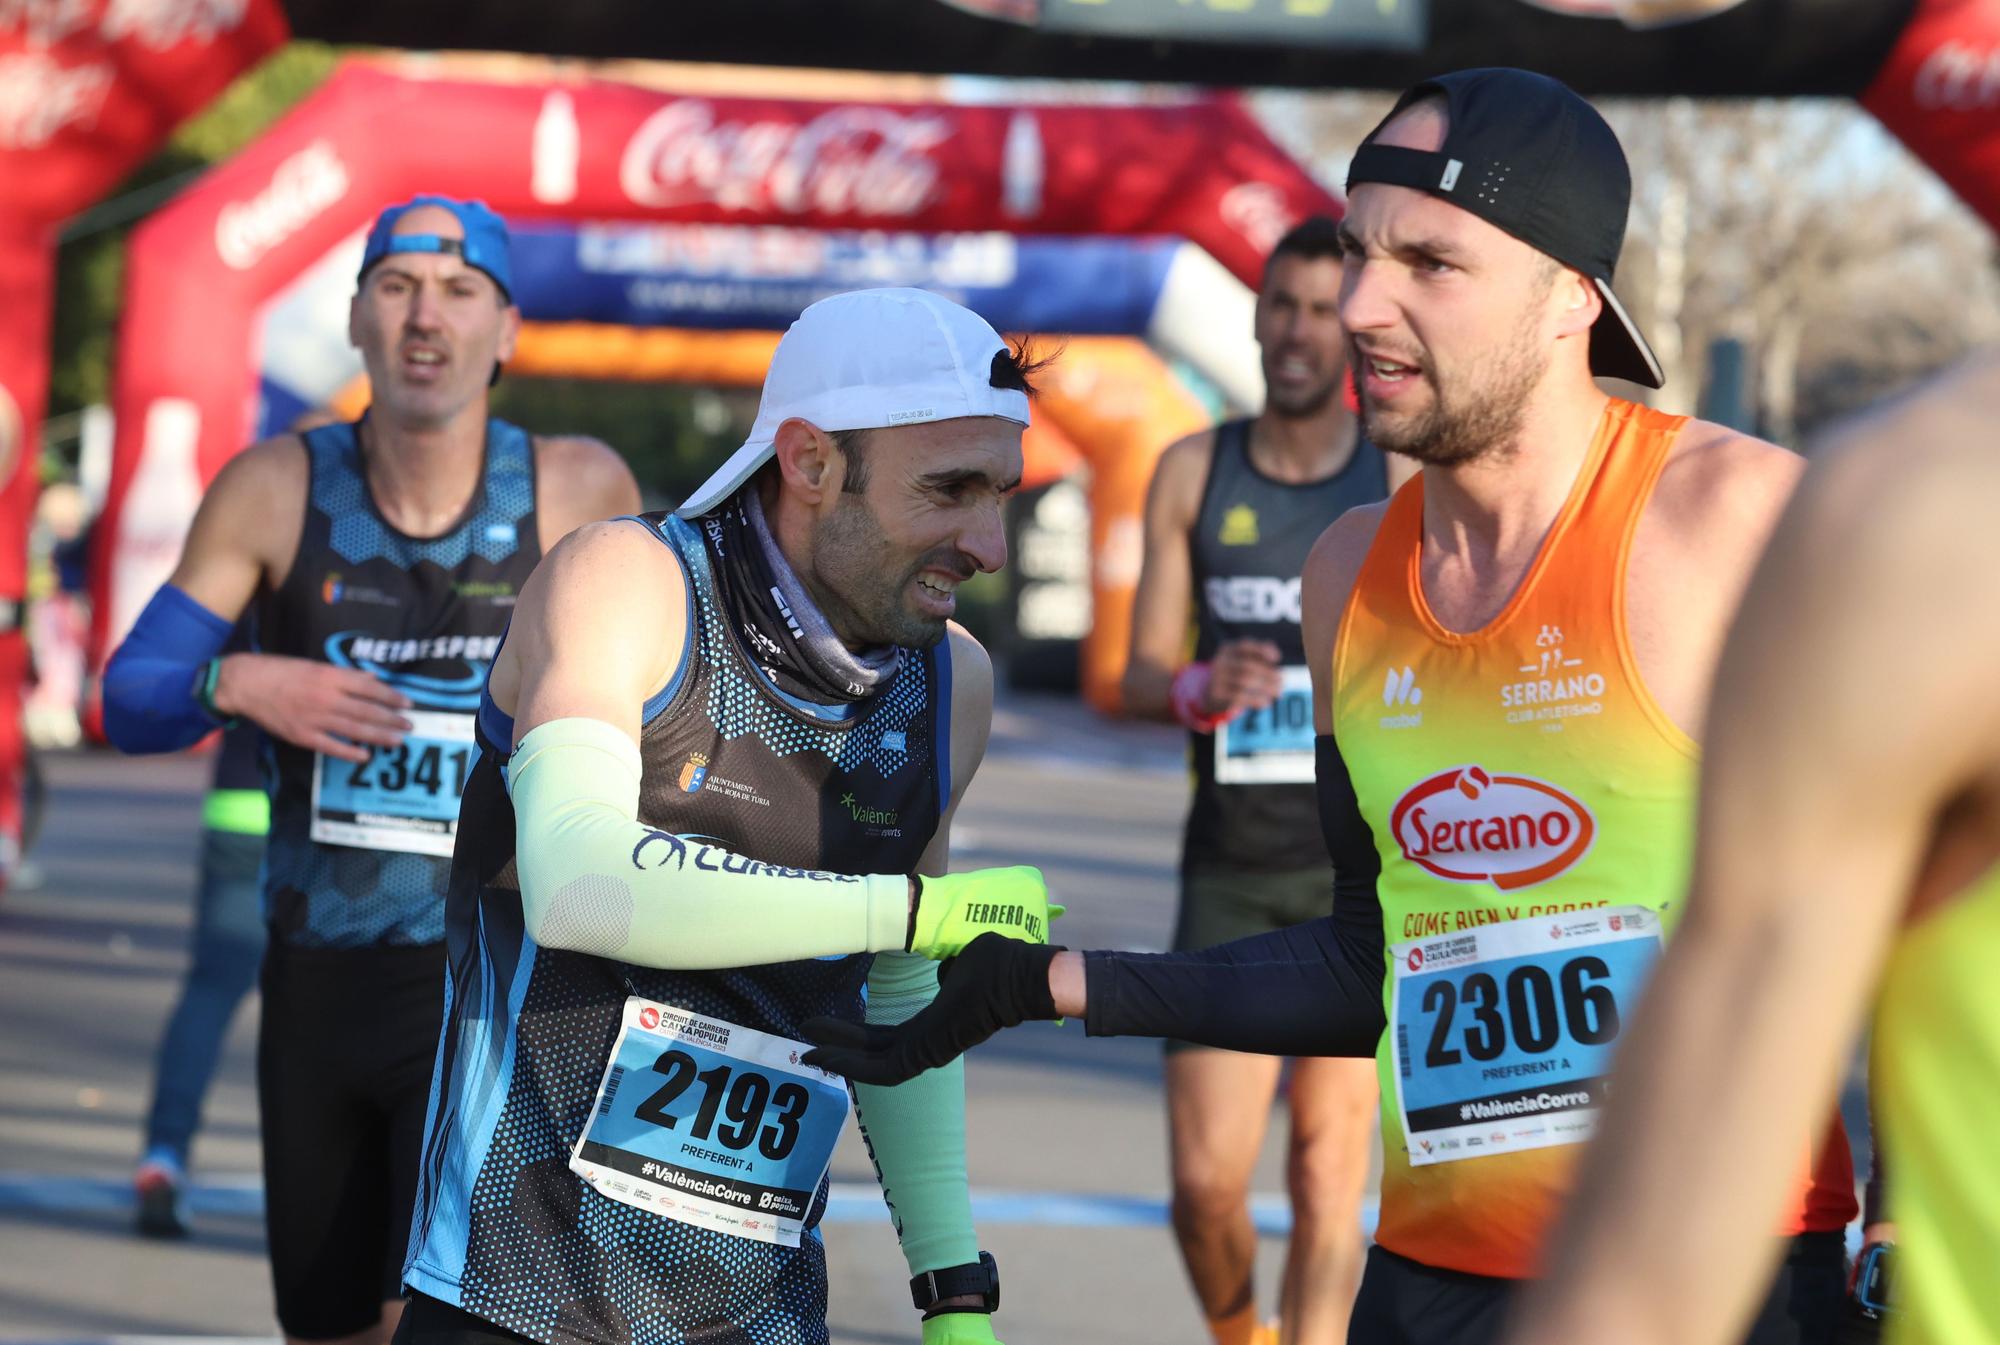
x,y
1528,156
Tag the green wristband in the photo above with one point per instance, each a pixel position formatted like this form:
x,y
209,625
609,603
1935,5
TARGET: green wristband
x,y
240,812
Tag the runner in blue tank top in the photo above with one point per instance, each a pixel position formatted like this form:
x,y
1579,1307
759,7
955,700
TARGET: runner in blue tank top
x,y
378,562
716,751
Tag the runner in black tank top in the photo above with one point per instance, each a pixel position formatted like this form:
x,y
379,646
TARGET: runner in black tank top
x,y
1254,811
379,561
1230,519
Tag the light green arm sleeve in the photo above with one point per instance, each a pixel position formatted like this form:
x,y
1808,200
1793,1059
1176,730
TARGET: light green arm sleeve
x,y
916,1131
595,880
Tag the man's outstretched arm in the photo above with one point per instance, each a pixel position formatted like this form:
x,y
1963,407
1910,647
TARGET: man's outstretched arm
x,y
1854,701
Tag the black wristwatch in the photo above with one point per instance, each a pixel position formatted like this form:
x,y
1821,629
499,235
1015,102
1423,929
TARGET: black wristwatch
x,y
980,1277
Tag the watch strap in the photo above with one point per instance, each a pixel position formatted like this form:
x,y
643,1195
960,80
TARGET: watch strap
x,y
981,1277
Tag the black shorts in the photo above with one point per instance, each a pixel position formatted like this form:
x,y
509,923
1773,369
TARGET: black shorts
x,y
1221,907
344,1063
430,1321
1404,1302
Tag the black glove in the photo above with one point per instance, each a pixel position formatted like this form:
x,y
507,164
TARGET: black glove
x,y
996,982
1857,1327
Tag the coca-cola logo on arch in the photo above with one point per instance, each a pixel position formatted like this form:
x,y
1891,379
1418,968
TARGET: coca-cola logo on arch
x,y
302,186
842,161
1471,826
1259,212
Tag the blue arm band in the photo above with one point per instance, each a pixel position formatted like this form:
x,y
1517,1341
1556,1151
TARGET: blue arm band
x,y
149,696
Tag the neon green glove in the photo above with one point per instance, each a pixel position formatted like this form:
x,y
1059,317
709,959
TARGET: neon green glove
x,y
959,1328
957,908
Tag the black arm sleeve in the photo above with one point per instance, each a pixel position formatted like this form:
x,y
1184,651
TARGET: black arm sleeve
x,y
1312,989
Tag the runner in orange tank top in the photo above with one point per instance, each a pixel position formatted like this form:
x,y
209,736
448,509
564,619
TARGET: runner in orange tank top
x,y
1510,660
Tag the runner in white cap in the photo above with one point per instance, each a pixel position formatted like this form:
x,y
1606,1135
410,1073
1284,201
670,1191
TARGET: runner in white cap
x,y
716,750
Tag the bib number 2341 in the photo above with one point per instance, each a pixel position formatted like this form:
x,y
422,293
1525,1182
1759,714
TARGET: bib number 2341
x,y
401,798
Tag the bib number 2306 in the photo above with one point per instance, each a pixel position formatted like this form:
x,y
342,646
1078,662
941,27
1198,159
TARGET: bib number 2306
x,y
1502,1035
711,1124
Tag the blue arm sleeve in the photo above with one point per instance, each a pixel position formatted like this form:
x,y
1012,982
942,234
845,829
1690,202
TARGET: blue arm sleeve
x,y
1313,989
149,701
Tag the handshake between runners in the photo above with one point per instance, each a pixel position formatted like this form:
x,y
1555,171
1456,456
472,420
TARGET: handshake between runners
x,y
990,982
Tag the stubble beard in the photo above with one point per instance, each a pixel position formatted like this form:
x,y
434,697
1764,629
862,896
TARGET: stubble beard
x,y
1310,404
1474,416
845,579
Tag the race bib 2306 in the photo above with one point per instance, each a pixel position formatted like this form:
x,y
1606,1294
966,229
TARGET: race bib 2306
x,y
1502,1035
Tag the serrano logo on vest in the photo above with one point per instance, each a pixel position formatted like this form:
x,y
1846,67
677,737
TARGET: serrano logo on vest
x,y
1471,826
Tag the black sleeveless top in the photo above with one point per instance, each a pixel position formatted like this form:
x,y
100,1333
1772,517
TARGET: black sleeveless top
x,y
728,758
358,855
1254,807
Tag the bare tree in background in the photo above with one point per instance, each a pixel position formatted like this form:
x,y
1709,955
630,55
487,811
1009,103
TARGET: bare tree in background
x,y
1799,227
1811,235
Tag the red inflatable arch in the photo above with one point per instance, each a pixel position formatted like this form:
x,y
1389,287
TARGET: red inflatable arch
x,y
184,391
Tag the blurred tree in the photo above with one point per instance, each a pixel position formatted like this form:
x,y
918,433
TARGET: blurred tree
x,y
673,436
1804,230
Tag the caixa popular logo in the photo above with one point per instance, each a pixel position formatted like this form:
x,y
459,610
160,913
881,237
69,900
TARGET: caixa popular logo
x,y
1471,826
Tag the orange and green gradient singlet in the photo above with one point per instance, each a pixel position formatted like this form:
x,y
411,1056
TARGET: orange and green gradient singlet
x,y
1534,812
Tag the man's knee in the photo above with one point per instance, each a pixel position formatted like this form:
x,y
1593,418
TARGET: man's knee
x,y
1324,1176
1207,1194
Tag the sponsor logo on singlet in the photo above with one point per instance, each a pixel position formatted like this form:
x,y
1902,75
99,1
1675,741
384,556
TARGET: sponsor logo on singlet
x,y
1471,826
334,590
1249,597
1400,688
1239,526
353,649
694,773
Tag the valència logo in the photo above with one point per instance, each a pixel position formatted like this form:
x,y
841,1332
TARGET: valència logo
x,y
862,812
1400,688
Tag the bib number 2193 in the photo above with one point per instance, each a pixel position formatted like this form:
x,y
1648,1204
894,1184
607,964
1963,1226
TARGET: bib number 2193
x,y
743,1098
710,1123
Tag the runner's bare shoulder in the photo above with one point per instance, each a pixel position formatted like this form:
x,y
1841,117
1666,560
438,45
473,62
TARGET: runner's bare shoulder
x,y
256,505
581,480
1334,563
1719,483
1182,473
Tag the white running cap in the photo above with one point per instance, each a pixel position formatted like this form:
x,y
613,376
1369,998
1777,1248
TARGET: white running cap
x,y
868,360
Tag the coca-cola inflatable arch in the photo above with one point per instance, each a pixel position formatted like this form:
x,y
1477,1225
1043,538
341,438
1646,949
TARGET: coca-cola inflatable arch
x,y
246,276
88,89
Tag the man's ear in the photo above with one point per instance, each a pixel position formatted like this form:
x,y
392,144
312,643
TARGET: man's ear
x,y
1579,303
510,332
810,464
